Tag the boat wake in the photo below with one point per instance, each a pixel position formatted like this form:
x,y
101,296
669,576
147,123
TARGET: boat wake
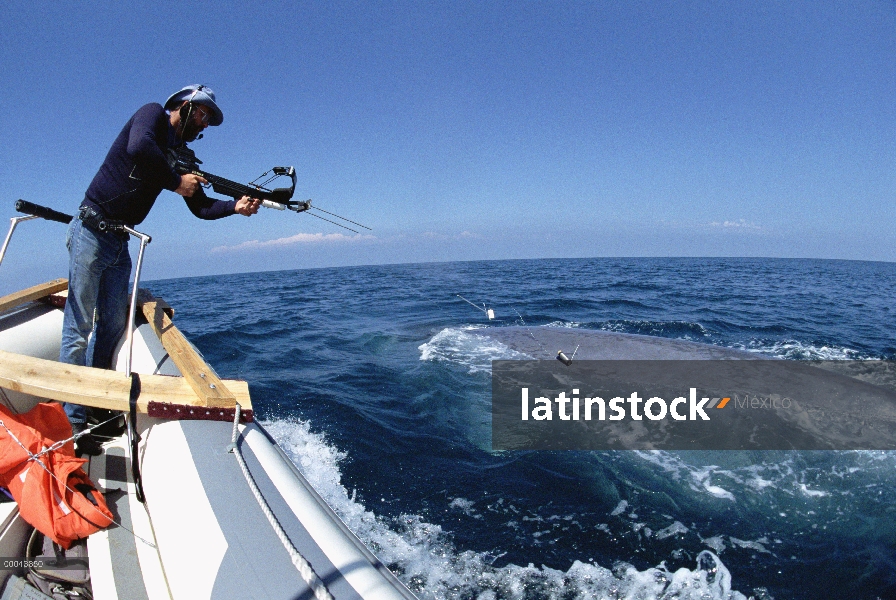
x,y
424,557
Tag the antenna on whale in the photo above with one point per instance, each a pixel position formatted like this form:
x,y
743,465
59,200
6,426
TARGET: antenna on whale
x,y
567,360
561,356
488,312
529,331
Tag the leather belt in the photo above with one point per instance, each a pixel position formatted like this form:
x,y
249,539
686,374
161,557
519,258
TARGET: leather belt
x,y
100,223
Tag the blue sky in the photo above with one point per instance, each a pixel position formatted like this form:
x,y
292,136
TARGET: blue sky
x,y
472,130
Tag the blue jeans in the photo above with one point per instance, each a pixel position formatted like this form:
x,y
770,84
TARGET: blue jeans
x,y
99,272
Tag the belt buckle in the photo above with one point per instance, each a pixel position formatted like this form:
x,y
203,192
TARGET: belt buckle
x,y
88,216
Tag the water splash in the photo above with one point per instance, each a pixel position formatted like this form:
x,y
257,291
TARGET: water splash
x,y
461,345
797,350
426,559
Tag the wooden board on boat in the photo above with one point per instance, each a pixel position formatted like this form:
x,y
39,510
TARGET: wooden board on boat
x,y
33,293
201,378
98,387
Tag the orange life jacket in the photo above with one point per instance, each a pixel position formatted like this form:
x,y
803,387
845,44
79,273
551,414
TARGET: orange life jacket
x,y
64,508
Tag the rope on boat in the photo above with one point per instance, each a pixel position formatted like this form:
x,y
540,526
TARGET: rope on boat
x,y
305,570
61,443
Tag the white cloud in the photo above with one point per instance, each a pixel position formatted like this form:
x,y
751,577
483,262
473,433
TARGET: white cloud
x,y
739,224
299,238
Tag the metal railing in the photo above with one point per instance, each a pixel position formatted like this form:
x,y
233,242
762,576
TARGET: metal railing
x,y
34,211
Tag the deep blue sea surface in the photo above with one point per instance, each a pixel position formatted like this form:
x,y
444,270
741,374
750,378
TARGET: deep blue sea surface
x,y
376,383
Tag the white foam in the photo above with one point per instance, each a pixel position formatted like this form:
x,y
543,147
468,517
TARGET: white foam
x,y
425,559
754,478
674,529
759,483
466,506
717,491
811,493
656,328
702,478
620,508
715,542
752,545
461,345
463,504
564,324
796,350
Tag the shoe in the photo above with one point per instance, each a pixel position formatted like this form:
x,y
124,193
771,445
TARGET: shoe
x,y
86,444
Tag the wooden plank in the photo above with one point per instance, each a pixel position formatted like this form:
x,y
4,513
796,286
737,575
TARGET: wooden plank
x,y
144,296
98,387
33,293
205,383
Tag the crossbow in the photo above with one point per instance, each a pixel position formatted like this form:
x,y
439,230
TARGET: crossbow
x,y
183,160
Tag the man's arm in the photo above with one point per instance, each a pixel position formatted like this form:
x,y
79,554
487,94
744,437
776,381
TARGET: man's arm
x,y
210,209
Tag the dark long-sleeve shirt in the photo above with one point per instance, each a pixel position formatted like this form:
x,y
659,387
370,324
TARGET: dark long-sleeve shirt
x,y
136,171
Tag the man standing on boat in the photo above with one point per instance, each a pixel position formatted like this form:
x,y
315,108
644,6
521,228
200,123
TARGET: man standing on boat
x,y
132,176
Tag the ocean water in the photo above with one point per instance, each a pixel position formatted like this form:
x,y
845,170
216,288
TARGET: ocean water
x,y
376,383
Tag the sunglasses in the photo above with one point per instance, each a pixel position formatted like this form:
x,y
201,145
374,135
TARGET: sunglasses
x,y
203,116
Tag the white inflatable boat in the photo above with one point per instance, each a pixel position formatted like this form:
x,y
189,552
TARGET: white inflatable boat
x,y
219,519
